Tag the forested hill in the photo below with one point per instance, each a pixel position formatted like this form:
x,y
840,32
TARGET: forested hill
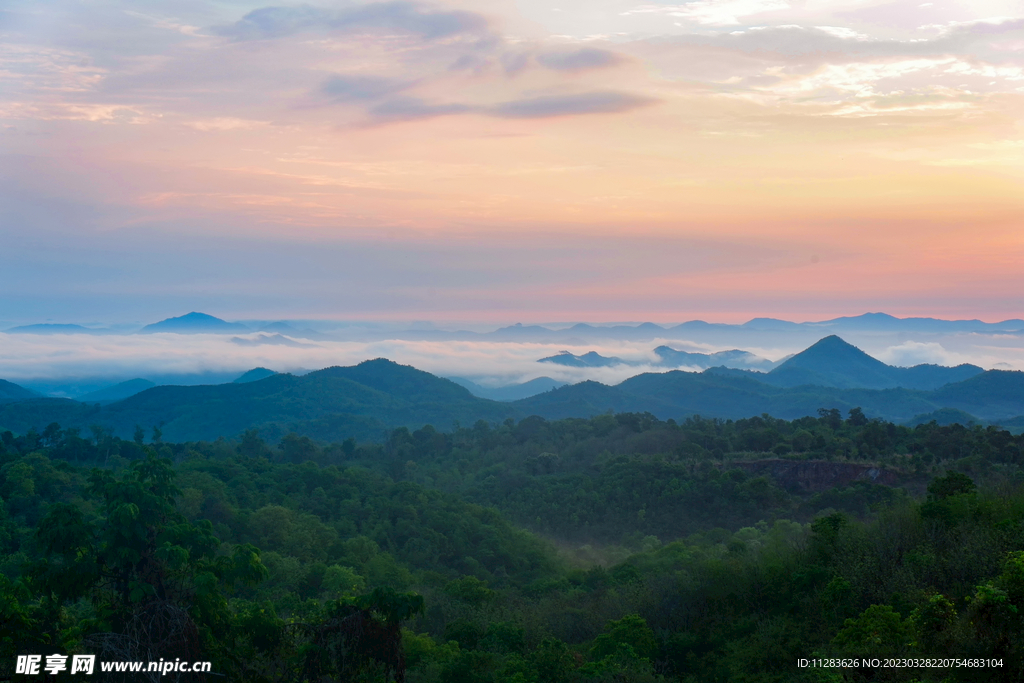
x,y
991,396
362,401
9,391
832,362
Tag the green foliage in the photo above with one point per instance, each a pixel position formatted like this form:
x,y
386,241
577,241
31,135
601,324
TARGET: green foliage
x,y
953,484
368,562
632,630
879,631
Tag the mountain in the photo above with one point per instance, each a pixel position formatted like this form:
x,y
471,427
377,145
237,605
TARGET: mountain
x,y
117,392
994,395
832,362
366,400
770,324
362,401
51,328
195,323
518,332
9,392
829,373
738,394
944,416
934,376
886,322
1014,424
254,375
510,392
591,359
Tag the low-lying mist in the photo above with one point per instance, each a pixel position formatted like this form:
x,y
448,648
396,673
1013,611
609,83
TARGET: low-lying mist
x,y
49,360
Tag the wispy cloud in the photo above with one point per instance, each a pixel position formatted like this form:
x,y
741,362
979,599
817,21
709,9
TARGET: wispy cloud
x,y
414,109
399,15
602,102
358,87
582,59
872,136
714,12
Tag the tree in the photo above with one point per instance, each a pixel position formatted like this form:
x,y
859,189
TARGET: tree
x,y
953,484
631,630
156,581
879,631
359,636
857,418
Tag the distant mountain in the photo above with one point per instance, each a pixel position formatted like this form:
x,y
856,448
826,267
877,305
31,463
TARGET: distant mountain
x,y
511,392
591,359
51,328
1013,424
886,322
944,416
254,375
994,395
770,324
117,392
195,323
78,386
519,331
832,362
934,376
10,391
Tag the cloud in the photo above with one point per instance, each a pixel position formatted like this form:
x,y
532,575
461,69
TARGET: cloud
x,y
354,88
714,12
913,353
600,102
583,59
29,356
818,44
414,109
400,15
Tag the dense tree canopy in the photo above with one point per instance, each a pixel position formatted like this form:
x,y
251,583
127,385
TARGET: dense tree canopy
x,y
620,548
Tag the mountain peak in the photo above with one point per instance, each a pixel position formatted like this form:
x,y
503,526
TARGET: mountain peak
x,y
832,349
254,375
832,361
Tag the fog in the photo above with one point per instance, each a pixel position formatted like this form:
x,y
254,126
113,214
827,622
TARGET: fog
x,y
47,361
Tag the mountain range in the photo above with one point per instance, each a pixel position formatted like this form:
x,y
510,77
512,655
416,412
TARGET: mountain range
x,y
365,400
694,330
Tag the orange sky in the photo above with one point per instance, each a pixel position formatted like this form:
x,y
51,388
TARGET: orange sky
x,y
609,160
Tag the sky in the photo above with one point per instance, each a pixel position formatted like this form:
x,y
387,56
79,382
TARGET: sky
x,y
511,160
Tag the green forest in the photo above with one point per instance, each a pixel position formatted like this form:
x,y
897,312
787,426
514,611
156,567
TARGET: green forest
x,y
617,548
